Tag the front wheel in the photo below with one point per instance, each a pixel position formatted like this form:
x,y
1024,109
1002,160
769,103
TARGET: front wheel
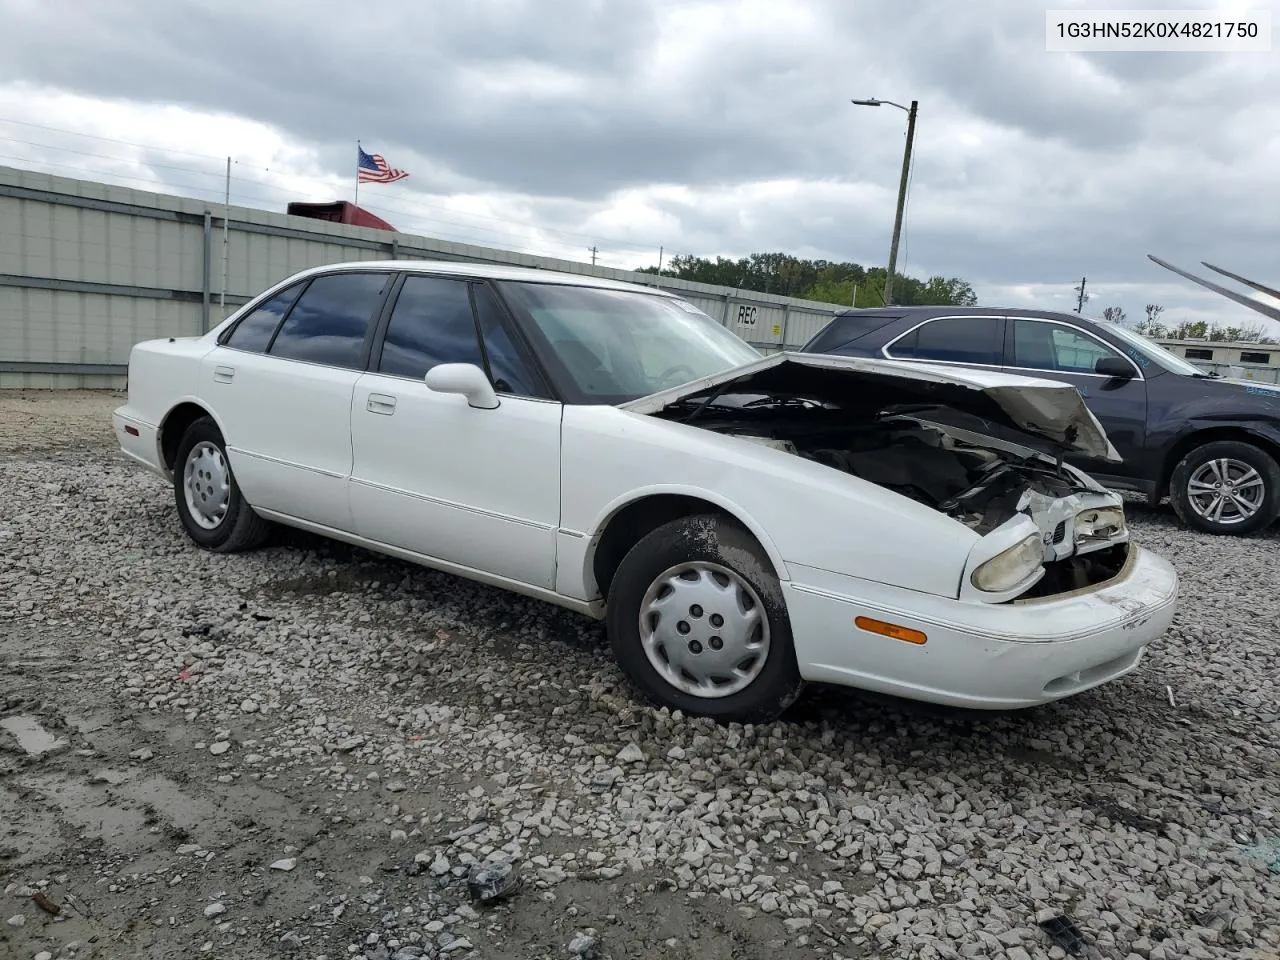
x,y
210,505
697,621
1226,486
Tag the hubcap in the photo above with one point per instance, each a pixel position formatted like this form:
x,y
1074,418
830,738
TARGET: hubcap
x,y
1226,491
704,629
207,484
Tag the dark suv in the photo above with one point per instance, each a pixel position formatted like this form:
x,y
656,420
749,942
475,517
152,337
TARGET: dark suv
x,y
1210,444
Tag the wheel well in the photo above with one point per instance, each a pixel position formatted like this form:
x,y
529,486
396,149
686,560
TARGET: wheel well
x,y
173,428
1199,439
626,527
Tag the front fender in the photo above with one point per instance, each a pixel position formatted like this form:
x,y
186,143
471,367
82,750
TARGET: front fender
x,y
800,511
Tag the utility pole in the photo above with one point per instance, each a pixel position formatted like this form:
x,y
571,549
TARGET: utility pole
x,y
902,202
1082,297
902,186
593,255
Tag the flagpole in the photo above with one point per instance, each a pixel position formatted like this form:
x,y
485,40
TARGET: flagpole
x,y
357,200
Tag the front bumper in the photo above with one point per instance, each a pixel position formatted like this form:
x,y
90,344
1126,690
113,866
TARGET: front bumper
x,y
981,655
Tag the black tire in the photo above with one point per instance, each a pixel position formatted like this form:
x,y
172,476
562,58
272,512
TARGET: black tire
x,y
1240,453
239,528
718,541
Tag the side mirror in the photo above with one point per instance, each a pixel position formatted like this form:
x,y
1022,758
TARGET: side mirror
x,y
1114,367
466,379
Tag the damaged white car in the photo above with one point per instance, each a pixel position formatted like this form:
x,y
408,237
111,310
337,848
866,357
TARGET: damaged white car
x,y
743,524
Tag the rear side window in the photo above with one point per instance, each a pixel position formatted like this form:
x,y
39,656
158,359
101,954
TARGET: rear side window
x,y
253,332
331,320
973,340
844,330
431,324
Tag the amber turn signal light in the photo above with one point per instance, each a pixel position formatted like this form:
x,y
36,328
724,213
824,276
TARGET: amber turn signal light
x,y
891,630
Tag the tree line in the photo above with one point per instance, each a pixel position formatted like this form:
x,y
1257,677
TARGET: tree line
x,y
823,280
1152,326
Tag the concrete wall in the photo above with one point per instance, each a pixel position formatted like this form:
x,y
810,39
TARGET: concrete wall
x,y
88,269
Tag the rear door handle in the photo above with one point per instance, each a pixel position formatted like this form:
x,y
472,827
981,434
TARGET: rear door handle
x,y
223,374
382,403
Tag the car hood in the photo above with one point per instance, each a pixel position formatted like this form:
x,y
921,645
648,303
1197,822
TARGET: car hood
x,y
1268,390
1042,408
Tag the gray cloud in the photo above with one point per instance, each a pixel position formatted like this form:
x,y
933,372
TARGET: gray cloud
x,y
1031,168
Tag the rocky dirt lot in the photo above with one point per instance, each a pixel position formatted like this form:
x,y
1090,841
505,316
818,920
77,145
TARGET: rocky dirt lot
x,y
301,752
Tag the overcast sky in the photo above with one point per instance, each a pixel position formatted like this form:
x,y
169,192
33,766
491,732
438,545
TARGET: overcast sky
x,y
712,128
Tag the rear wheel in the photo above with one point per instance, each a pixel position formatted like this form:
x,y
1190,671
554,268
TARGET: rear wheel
x,y
1226,486
212,510
697,621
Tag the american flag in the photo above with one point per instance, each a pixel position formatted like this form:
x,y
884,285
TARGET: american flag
x,y
373,169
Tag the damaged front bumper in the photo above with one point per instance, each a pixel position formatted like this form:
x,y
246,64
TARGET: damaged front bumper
x,y
979,655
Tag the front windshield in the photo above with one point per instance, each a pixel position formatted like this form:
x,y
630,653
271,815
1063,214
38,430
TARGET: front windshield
x,y
1143,349
620,345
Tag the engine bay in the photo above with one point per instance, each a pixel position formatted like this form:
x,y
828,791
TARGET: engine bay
x,y
979,486
955,471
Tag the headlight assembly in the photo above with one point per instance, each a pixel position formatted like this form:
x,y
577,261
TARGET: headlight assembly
x,y
1101,523
1006,570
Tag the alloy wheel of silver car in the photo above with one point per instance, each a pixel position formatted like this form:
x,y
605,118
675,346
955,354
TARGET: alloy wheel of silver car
x,y
1226,491
704,629
207,484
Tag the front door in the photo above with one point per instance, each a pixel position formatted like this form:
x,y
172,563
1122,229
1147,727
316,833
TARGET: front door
x,y
281,389
1061,351
472,487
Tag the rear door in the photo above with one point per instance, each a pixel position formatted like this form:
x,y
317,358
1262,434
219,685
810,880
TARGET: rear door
x,y
1057,350
959,341
966,341
281,388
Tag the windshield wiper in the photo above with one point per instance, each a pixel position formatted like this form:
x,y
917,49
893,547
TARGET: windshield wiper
x,y
711,398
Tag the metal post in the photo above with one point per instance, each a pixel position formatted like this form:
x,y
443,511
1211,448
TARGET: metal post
x,y
355,202
226,242
207,270
395,248
902,201
786,321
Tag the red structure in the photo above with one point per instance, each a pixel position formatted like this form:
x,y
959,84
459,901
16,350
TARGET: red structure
x,y
340,211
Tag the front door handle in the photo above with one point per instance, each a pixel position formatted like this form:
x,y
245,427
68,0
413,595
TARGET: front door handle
x,y
382,403
223,374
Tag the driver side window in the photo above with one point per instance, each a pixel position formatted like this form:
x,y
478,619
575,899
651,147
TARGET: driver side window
x,y
1056,347
433,322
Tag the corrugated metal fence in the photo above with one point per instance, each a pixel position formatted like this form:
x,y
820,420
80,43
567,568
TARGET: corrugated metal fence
x,y
88,269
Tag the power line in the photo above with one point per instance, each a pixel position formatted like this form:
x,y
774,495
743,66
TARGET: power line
x,y
510,242
94,136
572,234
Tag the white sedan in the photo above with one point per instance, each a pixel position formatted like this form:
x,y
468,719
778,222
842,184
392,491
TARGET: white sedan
x,y
743,524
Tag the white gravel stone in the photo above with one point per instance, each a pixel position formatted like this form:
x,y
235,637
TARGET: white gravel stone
x,y
882,828
631,753
287,864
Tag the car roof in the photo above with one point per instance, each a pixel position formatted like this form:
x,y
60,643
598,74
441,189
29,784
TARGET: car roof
x,y
489,271
941,310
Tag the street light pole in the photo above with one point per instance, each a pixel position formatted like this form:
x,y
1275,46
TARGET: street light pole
x,y
902,188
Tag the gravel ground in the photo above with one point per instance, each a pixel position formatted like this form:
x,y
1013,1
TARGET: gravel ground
x,y
303,751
